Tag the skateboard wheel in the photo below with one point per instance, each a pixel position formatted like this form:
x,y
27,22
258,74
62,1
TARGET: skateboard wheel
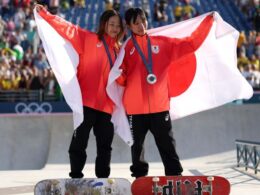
x,y
111,181
210,178
156,179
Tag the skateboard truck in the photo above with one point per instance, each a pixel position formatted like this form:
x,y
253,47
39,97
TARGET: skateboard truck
x,y
156,187
209,188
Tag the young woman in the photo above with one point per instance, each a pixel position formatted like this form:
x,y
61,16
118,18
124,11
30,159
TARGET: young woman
x,y
97,53
146,97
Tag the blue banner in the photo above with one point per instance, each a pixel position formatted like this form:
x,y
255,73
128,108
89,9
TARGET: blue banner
x,y
34,107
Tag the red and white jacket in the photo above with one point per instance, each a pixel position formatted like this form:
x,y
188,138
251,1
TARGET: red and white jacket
x,y
93,68
141,97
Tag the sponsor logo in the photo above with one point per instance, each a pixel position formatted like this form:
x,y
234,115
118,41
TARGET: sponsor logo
x,y
132,51
155,49
99,44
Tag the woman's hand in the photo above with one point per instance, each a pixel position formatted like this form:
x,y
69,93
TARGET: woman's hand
x,y
214,15
39,7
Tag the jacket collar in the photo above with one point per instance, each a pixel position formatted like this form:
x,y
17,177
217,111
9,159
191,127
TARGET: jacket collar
x,y
109,40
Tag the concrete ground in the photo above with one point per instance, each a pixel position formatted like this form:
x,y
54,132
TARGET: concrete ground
x,y
222,164
34,148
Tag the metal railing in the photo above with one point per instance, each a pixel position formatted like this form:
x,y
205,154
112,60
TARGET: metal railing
x,y
248,154
28,96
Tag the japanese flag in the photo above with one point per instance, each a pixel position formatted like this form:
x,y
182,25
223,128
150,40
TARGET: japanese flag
x,y
215,82
206,80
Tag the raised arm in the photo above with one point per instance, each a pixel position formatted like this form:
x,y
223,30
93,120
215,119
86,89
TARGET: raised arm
x,y
74,34
190,44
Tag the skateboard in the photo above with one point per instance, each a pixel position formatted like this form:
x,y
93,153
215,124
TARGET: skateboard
x,y
86,186
181,185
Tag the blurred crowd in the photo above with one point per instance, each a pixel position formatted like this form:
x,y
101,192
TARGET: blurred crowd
x,y
23,63
250,8
248,49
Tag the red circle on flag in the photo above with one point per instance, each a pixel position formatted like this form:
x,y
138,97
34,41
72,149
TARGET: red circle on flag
x,y
181,74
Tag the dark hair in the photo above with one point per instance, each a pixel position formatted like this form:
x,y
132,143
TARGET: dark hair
x,y
132,13
103,21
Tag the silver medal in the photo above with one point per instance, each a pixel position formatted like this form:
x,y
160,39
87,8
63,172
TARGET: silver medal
x,y
151,78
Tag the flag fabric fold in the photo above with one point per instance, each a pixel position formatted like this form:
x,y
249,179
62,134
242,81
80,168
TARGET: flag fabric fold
x,y
217,80
63,60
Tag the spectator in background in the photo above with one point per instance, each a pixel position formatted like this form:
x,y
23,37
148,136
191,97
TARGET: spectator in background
x,y
5,8
250,46
6,81
21,3
242,42
160,16
256,19
19,18
49,82
188,11
80,3
18,52
255,61
156,12
65,5
2,26
16,77
242,61
177,12
247,72
116,5
40,60
54,6
23,82
35,82
257,45
255,77
109,5
164,17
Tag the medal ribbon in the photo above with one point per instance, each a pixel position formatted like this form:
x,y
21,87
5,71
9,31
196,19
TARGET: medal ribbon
x,y
108,53
148,64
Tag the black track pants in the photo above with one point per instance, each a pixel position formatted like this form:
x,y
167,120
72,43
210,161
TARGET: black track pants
x,y
104,132
161,128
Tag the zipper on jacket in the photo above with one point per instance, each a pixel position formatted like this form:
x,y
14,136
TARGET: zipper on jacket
x,y
146,84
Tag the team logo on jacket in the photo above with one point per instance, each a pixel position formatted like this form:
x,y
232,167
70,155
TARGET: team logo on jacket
x,y
99,44
132,51
155,49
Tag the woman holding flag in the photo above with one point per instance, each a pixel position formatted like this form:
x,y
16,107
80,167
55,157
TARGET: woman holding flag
x,y
96,54
146,98
172,72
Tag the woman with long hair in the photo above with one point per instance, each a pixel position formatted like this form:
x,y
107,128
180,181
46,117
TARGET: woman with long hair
x,y
97,53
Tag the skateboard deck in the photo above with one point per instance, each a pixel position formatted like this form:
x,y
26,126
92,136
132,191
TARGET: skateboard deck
x,y
181,185
86,186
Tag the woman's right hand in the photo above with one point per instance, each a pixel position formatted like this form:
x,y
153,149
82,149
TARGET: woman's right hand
x,y
39,7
